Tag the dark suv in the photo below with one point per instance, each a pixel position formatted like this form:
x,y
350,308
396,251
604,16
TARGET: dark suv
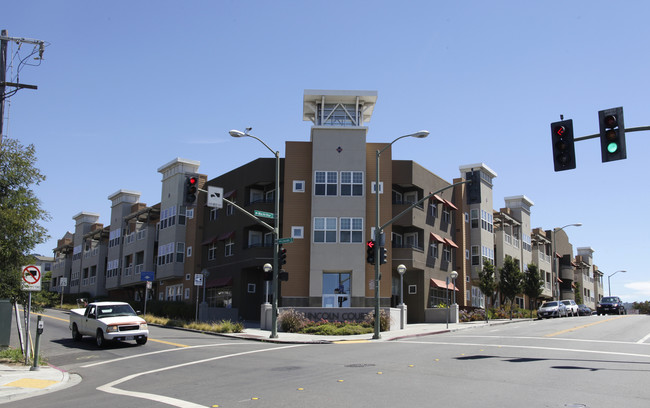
x,y
610,305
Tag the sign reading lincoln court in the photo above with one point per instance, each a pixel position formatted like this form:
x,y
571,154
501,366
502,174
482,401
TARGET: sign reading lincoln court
x,y
332,314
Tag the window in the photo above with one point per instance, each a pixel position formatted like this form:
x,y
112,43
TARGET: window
x,y
411,197
212,252
214,214
189,251
446,253
351,183
411,239
230,209
230,245
476,255
255,239
325,183
474,218
433,209
297,232
486,220
299,186
336,289
324,229
180,251
397,240
351,230
187,293
374,188
434,250
256,196
446,215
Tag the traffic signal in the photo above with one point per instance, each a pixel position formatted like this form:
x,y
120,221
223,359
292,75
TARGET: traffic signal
x,y
191,189
282,255
564,154
283,276
383,255
612,134
370,252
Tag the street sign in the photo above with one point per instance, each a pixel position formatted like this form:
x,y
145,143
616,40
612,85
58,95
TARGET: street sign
x,y
215,197
63,282
31,278
285,240
198,279
264,214
147,276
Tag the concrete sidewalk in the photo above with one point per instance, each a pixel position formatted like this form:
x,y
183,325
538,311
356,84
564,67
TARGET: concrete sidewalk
x,y
19,381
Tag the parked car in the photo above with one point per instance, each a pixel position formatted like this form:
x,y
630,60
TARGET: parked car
x,y
571,307
611,305
584,310
551,309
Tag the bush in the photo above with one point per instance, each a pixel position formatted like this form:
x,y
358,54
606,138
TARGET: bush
x,y
292,321
384,323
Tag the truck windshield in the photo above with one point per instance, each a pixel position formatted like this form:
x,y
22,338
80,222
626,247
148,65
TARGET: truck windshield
x,y
115,310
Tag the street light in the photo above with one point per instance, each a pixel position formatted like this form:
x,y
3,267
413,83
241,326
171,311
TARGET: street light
x,y
454,275
267,268
555,260
401,269
419,135
276,232
609,286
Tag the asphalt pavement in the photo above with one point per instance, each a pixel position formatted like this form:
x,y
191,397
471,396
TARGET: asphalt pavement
x,y
19,381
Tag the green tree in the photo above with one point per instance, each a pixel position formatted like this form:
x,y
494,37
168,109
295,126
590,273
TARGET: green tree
x,y
533,285
578,293
20,215
487,284
510,280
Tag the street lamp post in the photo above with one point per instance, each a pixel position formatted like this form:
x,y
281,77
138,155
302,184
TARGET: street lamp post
x,y
555,260
276,230
401,269
609,285
420,134
454,275
267,268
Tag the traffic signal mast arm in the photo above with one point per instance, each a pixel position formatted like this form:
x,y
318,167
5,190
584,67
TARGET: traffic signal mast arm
x,y
270,228
627,130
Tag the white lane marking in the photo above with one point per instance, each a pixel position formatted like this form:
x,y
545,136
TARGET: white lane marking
x,y
614,353
154,352
644,339
556,339
110,387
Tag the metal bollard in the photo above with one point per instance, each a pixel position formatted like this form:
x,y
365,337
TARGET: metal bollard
x,y
37,345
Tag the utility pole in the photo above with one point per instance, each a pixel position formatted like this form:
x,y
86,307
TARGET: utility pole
x,y
4,41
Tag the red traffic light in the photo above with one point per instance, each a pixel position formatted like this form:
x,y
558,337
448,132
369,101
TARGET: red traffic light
x,y
371,244
559,130
192,180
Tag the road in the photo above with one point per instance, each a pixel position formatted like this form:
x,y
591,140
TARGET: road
x,y
592,361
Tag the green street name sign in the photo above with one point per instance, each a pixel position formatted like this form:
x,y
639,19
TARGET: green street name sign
x,y
285,240
264,214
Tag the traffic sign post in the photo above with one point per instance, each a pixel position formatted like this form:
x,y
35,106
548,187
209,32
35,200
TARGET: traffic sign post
x,y
31,278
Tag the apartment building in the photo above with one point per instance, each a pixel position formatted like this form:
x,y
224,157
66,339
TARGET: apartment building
x,y
328,193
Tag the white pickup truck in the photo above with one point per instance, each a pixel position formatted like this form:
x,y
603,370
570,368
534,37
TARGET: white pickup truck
x,y
108,321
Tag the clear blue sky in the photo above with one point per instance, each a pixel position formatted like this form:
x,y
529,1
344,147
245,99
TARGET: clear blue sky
x,y
126,86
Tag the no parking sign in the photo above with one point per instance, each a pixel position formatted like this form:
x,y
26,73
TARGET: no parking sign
x,y
31,278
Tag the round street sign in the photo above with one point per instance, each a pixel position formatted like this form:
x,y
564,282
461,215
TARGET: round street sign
x,y
31,278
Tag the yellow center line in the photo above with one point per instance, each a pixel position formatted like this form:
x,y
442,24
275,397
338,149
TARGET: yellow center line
x,y
581,327
168,342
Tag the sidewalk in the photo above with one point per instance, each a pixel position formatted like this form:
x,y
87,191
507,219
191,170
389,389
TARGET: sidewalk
x,y
18,381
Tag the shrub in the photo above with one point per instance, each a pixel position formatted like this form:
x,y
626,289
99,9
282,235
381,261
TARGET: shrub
x,y
292,321
384,323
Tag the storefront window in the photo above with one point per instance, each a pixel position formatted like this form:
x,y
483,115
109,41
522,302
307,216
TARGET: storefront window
x,y
219,297
336,289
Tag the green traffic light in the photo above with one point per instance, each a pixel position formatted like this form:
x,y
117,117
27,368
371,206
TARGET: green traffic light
x,y
612,147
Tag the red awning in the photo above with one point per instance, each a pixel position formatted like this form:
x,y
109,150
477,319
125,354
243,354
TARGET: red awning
x,y
230,193
450,204
226,235
209,241
438,238
219,282
451,243
559,280
437,197
437,283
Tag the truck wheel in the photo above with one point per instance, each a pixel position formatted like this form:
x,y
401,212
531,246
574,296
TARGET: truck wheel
x,y
76,336
141,341
99,339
